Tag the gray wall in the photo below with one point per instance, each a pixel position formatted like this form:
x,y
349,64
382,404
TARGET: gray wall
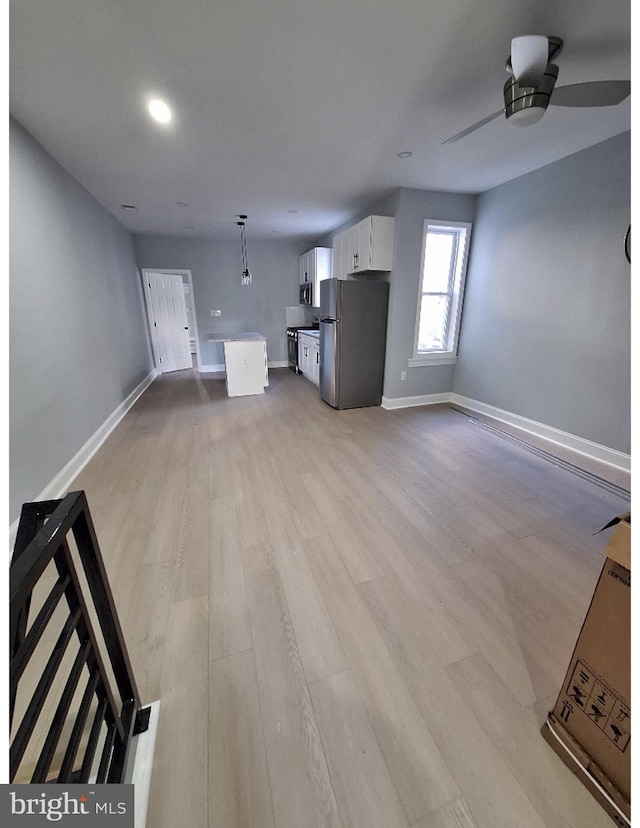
x,y
216,268
413,208
546,321
410,208
78,341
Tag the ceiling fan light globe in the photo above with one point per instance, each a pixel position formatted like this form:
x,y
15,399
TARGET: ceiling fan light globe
x,y
526,117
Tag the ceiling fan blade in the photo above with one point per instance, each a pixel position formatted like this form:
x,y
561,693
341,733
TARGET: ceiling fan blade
x,y
593,93
473,128
529,57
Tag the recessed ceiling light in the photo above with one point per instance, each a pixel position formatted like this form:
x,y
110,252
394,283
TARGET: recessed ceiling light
x,y
405,154
130,207
182,203
160,111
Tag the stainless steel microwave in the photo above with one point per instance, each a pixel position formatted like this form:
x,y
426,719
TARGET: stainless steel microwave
x,y
306,293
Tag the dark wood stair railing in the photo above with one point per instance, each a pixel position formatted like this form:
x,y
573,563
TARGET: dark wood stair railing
x,y
97,747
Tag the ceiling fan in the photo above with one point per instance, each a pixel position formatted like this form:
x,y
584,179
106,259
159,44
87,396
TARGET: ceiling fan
x,y
528,91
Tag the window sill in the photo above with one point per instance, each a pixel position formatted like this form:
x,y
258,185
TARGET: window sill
x,y
434,358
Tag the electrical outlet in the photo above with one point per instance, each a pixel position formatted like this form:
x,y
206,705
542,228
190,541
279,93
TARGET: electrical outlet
x,y
216,313
403,375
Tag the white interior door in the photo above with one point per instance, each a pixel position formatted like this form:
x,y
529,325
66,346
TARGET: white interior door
x,y
189,305
171,326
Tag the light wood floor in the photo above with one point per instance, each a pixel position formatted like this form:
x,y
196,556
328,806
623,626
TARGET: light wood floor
x,y
354,618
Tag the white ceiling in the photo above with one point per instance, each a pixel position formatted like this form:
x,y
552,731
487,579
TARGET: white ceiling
x,y
283,105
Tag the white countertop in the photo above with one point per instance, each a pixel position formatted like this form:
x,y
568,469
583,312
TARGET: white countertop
x,y
244,336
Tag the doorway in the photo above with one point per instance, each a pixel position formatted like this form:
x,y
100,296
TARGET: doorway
x,y
172,329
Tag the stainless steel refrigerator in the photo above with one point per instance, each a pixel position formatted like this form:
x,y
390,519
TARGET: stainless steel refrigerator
x,y
353,335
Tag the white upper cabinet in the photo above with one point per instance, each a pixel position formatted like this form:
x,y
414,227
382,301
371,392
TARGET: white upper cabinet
x,y
306,265
315,266
367,245
340,254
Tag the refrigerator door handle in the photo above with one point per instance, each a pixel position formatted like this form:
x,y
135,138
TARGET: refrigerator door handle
x,y
328,319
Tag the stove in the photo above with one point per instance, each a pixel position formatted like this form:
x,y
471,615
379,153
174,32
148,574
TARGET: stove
x,y
292,343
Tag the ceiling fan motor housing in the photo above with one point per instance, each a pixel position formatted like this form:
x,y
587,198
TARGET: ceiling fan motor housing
x,y
524,105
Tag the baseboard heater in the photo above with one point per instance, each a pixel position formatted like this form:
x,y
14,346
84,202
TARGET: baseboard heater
x,y
612,488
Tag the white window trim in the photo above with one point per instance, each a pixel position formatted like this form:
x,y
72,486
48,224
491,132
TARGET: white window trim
x,y
433,358
450,355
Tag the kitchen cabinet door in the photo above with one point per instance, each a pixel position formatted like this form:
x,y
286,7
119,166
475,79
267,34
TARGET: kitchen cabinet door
x,y
380,244
315,364
303,354
315,267
309,357
306,264
339,264
360,246
323,256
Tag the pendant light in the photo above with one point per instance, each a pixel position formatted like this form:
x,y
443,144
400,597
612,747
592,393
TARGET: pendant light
x,y
246,273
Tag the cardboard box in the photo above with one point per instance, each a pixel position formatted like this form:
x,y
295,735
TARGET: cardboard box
x,y
590,724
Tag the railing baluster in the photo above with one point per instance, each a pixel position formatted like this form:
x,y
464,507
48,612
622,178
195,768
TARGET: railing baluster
x,y
92,744
66,768
59,718
106,754
34,709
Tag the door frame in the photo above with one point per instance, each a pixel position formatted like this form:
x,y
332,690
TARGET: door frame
x,y
148,308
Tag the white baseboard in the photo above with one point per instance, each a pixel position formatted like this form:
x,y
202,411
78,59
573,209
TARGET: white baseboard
x,y
61,482
594,451
212,369
588,448
391,403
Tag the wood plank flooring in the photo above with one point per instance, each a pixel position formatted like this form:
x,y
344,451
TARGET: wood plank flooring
x,y
352,619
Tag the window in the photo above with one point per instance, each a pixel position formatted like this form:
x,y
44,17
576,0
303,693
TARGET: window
x,y
443,271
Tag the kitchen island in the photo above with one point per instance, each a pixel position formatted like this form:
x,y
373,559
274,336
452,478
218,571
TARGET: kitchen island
x,y
245,362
